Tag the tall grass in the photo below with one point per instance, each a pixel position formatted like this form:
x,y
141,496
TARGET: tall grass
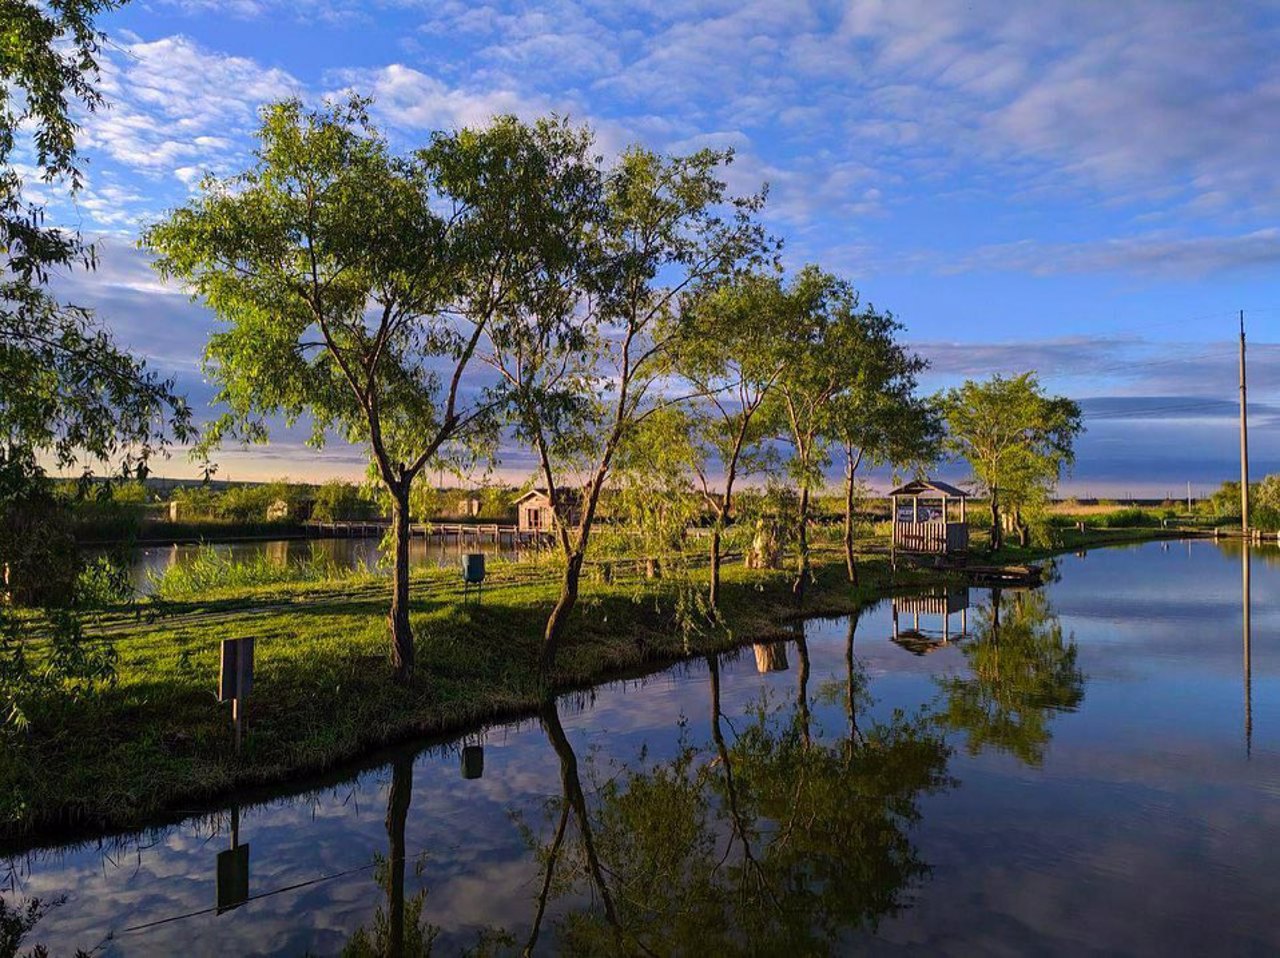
x,y
212,569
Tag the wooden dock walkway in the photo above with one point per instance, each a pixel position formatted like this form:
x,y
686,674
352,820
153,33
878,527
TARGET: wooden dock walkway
x,y
461,532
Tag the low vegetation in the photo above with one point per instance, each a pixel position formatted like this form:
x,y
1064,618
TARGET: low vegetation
x,y
214,570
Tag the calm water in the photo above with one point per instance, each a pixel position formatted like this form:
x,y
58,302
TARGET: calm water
x,y
1091,770
147,562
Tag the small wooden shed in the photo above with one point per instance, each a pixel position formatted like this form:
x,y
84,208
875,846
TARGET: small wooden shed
x,y
534,512
926,517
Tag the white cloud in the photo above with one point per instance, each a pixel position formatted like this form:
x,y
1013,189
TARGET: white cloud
x,y
176,106
1153,254
412,100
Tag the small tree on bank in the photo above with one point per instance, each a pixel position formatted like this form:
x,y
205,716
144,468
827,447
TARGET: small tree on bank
x,y
1014,437
354,285
824,349
877,419
732,349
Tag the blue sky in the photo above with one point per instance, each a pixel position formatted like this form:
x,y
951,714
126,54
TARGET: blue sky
x,y
1083,188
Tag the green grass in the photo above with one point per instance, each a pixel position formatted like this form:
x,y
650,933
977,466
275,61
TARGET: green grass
x,y
158,741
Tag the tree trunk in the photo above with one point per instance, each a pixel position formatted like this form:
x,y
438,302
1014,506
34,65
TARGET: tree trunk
x,y
559,618
997,538
397,812
851,564
401,631
802,544
713,596
1024,530
722,519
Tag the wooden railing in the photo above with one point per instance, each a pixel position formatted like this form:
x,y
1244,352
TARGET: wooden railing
x,y
932,536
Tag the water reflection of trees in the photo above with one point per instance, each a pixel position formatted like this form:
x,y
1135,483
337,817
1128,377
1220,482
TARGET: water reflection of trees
x,y
765,838
1022,673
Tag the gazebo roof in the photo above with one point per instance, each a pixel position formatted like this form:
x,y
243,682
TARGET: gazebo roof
x,y
924,487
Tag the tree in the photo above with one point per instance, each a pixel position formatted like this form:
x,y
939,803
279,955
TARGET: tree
x,y
583,370
877,418
1014,437
354,285
731,349
826,347
69,389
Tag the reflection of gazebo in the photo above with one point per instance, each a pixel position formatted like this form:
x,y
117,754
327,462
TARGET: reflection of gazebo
x,y
924,520
920,641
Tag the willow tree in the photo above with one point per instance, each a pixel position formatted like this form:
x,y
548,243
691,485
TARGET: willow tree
x,y
877,419
1013,436
353,285
589,365
732,349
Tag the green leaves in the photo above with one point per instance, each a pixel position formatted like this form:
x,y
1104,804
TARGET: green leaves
x,y
68,389
1016,439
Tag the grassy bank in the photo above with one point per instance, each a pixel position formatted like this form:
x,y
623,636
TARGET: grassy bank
x,y
158,741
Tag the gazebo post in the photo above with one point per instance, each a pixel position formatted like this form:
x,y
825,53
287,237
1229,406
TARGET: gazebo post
x,y
915,510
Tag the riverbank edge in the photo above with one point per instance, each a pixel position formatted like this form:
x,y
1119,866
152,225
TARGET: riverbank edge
x,y
829,595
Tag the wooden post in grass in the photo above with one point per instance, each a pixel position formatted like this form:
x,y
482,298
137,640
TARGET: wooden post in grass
x,y
235,679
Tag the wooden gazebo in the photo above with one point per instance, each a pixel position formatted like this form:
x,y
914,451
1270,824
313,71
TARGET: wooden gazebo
x,y
925,520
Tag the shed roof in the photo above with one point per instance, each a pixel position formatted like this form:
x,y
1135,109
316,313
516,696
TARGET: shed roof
x,y
923,487
570,496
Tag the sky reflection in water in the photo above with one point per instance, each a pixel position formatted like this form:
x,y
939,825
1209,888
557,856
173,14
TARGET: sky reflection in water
x,y
1074,780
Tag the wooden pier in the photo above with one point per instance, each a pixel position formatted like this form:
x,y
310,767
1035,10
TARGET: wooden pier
x,y
460,532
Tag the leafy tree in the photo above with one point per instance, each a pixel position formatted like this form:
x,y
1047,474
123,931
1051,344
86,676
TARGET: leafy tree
x,y
826,349
582,370
652,505
1016,439
732,348
1022,672
877,419
337,500
68,388
354,285
1264,503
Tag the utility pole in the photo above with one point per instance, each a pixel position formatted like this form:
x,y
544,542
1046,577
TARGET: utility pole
x,y
1244,441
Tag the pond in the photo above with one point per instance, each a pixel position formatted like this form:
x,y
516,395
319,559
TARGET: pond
x,y
1091,767
146,563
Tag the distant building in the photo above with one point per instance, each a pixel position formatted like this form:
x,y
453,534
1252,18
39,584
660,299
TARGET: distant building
x,y
535,514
